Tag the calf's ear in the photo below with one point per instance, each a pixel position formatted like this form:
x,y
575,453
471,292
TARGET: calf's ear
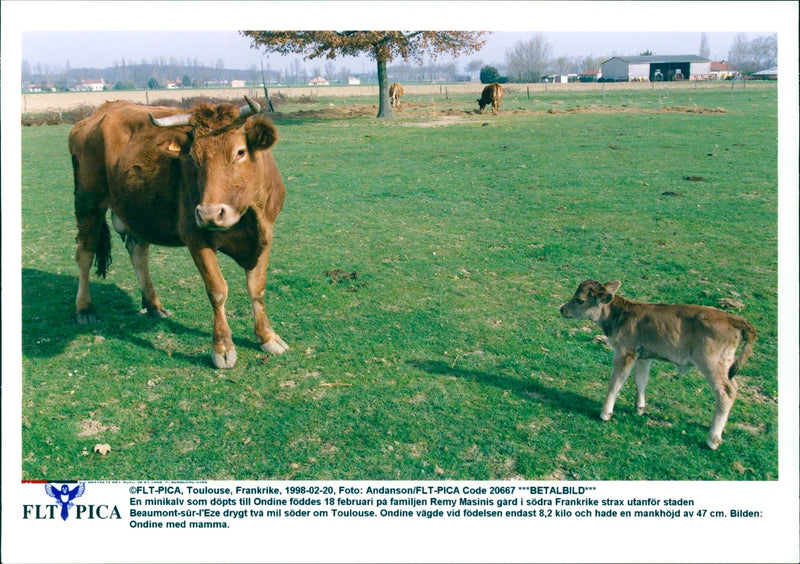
x,y
611,289
260,133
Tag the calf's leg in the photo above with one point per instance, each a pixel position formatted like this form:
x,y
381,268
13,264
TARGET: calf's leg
x,y
725,390
623,363
641,375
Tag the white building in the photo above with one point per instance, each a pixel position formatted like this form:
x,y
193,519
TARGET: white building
x,y
92,85
656,68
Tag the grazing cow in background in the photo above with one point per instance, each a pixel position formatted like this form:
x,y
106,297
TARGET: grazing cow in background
x,y
395,93
491,96
682,334
203,179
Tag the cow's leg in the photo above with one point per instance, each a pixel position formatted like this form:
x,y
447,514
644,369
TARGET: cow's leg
x,y
140,254
256,282
623,363
223,353
725,390
641,375
84,313
93,237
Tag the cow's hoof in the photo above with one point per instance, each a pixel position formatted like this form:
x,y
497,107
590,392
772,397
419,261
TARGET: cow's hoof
x,y
605,416
640,410
224,360
86,316
714,442
155,313
278,346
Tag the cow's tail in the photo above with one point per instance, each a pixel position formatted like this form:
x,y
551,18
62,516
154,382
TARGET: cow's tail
x,y
102,252
748,337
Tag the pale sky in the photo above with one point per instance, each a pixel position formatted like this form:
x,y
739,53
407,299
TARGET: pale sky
x,y
98,33
103,48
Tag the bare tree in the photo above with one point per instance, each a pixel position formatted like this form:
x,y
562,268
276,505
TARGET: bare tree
x,y
738,53
330,71
704,50
750,56
528,61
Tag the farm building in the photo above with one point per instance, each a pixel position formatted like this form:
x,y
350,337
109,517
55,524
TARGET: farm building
x,y
590,76
656,68
769,74
92,85
722,70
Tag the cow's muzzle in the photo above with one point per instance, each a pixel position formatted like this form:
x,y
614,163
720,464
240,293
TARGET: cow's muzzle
x,y
216,217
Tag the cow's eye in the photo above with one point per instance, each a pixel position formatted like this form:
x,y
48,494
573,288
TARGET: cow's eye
x,y
580,301
240,154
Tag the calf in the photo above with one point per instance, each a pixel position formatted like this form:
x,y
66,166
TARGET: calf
x,y
685,335
491,96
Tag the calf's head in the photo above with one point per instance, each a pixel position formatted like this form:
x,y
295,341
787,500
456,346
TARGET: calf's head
x,y
590,299
223,151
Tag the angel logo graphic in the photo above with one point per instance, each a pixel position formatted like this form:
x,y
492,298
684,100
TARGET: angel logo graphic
x,y
64,496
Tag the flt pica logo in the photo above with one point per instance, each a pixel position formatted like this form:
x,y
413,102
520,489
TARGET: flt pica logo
x,y
65,497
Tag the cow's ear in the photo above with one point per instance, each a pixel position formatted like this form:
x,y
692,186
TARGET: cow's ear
x,y
173,145
260,133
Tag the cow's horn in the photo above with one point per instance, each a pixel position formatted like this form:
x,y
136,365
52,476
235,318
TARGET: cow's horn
x,y
170,121
250,108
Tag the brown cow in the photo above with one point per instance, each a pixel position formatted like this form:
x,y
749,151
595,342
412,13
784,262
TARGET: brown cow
x,y
204,179
395,93
685,335
492,95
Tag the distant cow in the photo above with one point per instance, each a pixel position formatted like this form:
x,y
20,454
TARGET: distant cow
x,y
203,179
395,93
685,335
492,95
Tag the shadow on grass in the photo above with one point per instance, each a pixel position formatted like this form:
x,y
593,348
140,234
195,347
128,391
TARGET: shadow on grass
x,y
530,391
683,431
49,325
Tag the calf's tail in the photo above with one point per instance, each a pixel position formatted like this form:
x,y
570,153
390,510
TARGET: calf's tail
x,y
103,249
748,337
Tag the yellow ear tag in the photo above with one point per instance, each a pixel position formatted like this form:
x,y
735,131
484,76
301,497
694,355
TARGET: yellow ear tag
x,y
174,147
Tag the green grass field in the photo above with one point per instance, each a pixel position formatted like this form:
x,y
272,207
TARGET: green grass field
x,y
445,357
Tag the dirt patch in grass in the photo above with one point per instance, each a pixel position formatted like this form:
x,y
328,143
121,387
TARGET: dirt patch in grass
x,y
623,110
333,112
90,428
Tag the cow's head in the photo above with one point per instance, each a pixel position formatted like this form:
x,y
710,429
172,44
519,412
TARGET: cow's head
x,y
223,146
589,300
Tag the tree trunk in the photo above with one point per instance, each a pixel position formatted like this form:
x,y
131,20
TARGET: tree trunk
x,y
384,104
